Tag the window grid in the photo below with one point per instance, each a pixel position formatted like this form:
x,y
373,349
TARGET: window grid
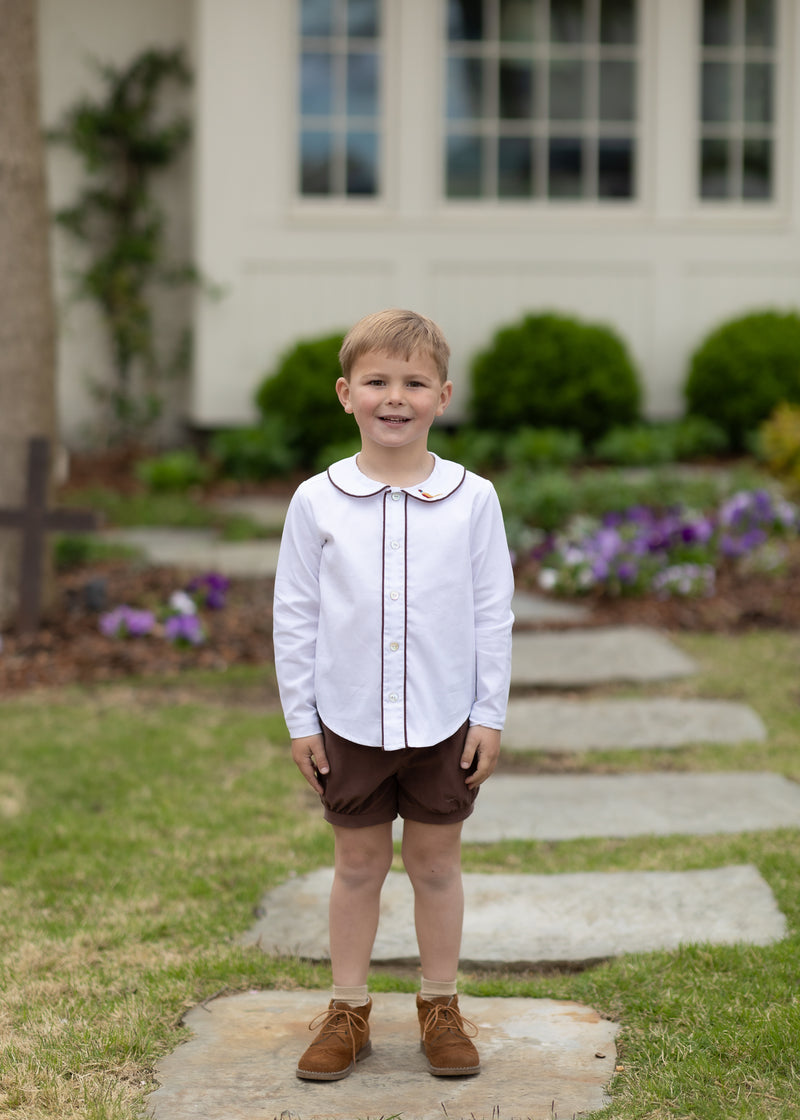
x,y
330,164
585,133
732,143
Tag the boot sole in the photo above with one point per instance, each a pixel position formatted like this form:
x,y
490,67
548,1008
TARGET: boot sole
x,y
336,1075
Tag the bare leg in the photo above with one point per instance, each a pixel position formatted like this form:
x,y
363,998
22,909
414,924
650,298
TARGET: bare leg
x,y
362,860
432,858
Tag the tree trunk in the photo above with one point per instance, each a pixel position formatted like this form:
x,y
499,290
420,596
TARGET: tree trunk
x,y
27,319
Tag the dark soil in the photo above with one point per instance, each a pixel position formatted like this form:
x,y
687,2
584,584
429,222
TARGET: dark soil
x,y
69,647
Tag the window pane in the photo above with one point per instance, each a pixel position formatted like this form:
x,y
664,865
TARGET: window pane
x,y
715,166
618,21
517,21
315,163
514,167
566,91
757,170
617,91
516,90
464,88
316,83
464,167
363,18
759,23
362,163
717,23
615,169
362,83
758,93
316,17
716,96
567,24
565,168
465,20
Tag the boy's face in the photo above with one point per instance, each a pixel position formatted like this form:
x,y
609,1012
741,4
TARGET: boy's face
x,y
394,401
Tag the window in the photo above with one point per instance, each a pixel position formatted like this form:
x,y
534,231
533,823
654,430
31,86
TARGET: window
x,y
737,100
340,97
542,99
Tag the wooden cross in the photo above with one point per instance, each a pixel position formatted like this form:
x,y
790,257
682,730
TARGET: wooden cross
x,y
35,520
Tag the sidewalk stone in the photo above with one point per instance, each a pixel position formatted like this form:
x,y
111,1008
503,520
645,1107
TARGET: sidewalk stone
x,y
539,1058
531,919
571,806
200,550
587,657
531,608
555,724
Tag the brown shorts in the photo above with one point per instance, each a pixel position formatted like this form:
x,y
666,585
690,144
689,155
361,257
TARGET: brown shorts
x,y
368,786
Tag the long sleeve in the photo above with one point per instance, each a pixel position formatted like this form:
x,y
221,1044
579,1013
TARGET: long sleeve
x,y
493,587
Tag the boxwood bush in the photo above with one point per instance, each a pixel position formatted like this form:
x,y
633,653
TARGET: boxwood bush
x,y
301,392
743,370
553,371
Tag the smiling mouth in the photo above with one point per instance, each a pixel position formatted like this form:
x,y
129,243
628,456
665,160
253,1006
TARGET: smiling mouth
x,y
394,419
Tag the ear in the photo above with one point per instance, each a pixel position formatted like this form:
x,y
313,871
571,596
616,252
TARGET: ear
x,y
343,393
445,397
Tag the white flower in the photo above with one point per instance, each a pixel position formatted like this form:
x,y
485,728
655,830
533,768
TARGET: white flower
x,y
182,603
548,578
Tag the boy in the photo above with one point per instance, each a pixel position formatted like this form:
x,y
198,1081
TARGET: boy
x,y
393,653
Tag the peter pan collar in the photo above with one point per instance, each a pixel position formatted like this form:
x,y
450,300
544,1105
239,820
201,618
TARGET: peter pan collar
x,y
444,479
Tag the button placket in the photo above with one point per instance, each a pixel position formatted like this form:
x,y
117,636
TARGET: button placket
x,y
394,617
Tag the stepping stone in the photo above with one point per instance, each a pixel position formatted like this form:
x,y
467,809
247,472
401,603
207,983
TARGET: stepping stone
x,y
555,724
200,550
586,657
532,919
572,806
266,510
531,608
536,1055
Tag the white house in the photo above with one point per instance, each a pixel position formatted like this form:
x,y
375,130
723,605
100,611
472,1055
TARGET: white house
x,y
635,162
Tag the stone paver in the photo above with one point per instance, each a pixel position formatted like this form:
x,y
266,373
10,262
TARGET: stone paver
x,y
267,510
539,1058
514,919
531,608
200,550
587,657
557,724
571,806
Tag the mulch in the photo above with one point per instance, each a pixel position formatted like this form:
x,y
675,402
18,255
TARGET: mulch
x,y
69,648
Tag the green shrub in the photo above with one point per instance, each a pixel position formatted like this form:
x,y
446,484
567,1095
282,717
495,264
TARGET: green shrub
x,y
543,447
541,499
479,451
301,392
175,470
697,437
743,370
779,444
262,451
554,371
639,445
333,452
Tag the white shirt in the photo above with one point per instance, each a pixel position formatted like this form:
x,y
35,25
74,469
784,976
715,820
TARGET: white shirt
x,y
392,614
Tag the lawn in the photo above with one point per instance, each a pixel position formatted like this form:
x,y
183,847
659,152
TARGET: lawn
x,y
140,825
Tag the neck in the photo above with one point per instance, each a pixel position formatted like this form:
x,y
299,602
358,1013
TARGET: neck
x,y
402,466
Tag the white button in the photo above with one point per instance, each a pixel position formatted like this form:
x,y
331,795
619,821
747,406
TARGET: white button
x,y
393,697
396,495
394,647
395,544
394,594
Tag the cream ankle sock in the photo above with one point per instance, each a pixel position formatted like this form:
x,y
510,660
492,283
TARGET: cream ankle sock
x,y
354,996
432,988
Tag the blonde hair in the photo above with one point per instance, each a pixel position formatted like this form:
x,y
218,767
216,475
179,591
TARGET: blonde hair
x,y
398,333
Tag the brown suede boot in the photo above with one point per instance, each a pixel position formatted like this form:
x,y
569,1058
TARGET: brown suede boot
x,y
445,1040
342,1041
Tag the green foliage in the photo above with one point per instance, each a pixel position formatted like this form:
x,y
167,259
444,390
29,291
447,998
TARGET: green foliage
x,y
123,141
637,445
333,452
175,470
543,447
262,451
477,450
743,370
77,550
553,371
779,444
301,393
697,437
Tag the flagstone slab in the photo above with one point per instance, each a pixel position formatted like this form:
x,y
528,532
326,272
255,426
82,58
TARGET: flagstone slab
x,y
266,510
200,550
582,657
555,724
574,806
540,1058
533,919
530,608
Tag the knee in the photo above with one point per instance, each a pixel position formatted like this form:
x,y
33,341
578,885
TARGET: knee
x,y
432,870
362,867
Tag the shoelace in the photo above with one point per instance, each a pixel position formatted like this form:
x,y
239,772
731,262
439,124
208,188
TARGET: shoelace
x,y
454,1021
339,1021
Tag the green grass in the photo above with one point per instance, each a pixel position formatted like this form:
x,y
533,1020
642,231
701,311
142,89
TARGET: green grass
x,y
140,827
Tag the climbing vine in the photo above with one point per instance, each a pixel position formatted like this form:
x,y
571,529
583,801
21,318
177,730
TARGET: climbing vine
x,y
124,139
